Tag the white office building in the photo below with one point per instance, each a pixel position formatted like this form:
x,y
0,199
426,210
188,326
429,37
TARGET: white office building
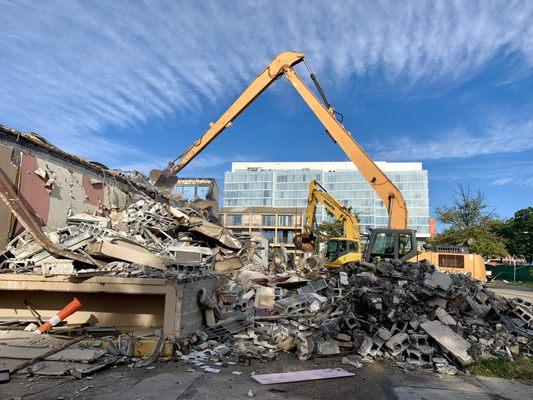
x,y
286,184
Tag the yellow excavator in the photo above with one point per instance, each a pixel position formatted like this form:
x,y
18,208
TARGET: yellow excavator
x,y
340,251
393,243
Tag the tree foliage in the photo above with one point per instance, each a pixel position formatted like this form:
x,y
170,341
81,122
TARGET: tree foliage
x,y
518,232
335,228
470,222
480,239
331,229
468,210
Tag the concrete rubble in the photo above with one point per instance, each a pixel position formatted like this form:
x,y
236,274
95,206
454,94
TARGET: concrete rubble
x,y
408,313
147,239
176,241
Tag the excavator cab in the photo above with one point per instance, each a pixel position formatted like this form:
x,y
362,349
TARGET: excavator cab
x,y
341,252
391,244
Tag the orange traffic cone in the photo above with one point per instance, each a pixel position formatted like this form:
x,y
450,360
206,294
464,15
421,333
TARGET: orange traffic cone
x,y
69,309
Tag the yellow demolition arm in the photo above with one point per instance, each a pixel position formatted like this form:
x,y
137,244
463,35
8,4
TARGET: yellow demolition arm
x,y
282,65
319,195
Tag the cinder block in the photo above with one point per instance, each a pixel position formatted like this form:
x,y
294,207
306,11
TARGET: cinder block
x,y
417,357
417,340
397,344
293,304
381,336
365,346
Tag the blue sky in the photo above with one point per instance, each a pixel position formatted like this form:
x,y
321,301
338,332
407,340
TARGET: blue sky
x,y
133,83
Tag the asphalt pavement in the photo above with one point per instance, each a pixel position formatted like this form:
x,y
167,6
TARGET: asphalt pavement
x,y
172,380
509,290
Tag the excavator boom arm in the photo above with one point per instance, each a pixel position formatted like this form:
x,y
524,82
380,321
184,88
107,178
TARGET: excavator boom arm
x,y
282,65
258,86
317,194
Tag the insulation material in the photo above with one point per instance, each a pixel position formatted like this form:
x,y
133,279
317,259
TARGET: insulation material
x,y
67,195
299,376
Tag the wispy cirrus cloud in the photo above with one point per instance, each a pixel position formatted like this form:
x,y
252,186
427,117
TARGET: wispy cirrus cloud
x,y
499,136
72,69
496,173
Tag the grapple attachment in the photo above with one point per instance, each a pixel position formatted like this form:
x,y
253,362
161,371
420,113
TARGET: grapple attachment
x,y
304,241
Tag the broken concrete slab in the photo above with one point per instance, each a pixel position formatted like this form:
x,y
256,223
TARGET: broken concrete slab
x,y
449,340
121,250
162,387
438,281
328,348
216,232
71,354
443,316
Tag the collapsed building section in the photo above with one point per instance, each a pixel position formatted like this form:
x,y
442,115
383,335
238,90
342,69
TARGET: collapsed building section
x,y
135,257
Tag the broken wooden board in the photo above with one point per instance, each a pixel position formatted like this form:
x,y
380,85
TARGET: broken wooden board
x,y
228,264
27,353
299,376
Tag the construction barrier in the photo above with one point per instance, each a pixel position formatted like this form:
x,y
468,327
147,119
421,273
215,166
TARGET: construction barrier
x,y
68,310
511,273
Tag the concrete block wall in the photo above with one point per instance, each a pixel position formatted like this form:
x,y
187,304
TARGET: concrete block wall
x,y
190,316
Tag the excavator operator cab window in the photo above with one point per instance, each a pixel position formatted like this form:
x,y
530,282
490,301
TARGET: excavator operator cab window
x,y
405,244
339,248
383,245
391,244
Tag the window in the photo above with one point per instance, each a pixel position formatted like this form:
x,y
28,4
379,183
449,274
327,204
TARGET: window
x,y
268,234
285,237
383,244
451,261
405,244
285,220
268,220
333,250
234,219
338,248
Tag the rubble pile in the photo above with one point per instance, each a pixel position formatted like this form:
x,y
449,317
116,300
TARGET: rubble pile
x,y
147,239
410,313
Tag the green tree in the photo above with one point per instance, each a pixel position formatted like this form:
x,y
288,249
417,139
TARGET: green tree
x,y
470,222
333,229
468,210
518,231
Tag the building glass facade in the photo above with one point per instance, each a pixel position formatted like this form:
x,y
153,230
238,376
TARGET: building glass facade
x,y
286,185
